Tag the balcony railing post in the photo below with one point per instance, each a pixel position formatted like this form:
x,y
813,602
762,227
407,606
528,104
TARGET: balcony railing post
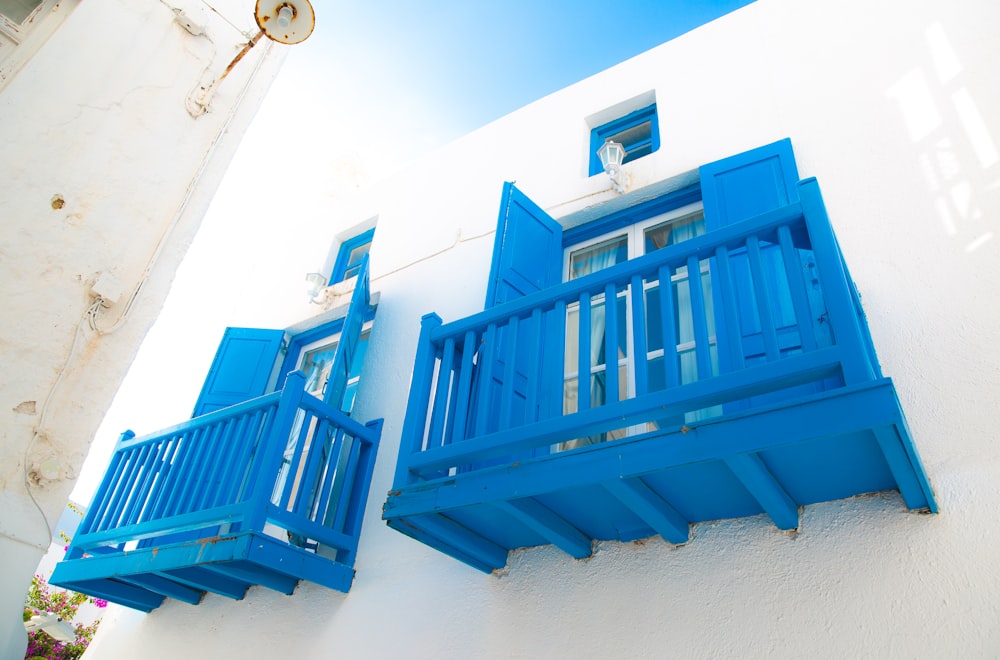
x,y
836,286
412,439
271,450
358,495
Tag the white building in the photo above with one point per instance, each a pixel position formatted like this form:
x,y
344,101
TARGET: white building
x,y
717,513
114,140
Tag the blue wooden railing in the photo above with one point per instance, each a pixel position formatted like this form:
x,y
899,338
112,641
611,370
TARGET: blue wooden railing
x,y
488,389
286,461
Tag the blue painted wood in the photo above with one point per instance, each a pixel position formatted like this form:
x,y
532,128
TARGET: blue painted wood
x,y
534,384
549,524
464,388
241,368
349,517
407,527
762,295
671,369
197,577
699,313
724,290
350,337
583,354
119,592
844,317
611,343
527,249
829,416
906,468
745,185
165,587
486,366
638,296
657,512
212,512
442,396
761,378
412,438
487,555
507,385
750,470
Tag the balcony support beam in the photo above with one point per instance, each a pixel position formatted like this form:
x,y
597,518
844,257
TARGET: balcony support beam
x,y
274,581
486,553
405,526
754,475
653,509
165,587
550,525
122,593
906,470
200,578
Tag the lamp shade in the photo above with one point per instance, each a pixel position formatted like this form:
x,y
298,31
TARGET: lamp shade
x,y
611,154
285,21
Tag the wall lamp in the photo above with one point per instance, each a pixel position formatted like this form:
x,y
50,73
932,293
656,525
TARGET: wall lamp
x,y
612,154
315,283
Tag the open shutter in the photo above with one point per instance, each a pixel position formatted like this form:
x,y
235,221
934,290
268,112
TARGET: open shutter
x,y
748,184
241,369
527,250
739,188
350,336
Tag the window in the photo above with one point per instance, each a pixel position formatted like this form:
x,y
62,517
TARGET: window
x,y
349,256
638,132
23,30
595,254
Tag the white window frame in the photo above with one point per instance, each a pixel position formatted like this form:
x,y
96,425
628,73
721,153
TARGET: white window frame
x,y
635,234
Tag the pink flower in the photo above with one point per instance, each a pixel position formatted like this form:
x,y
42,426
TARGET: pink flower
x,y
100,602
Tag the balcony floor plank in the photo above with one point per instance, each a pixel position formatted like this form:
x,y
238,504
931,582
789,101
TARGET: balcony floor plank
x,y
225,565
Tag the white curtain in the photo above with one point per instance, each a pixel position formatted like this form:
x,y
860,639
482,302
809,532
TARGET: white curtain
x,y
584,263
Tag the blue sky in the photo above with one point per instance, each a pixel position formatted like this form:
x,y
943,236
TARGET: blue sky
x,y
429,72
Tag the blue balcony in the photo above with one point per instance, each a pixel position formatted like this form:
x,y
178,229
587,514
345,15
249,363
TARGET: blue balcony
x,y
267,492
774,401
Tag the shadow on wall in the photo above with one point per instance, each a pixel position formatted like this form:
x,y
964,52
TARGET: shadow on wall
x,y
942,118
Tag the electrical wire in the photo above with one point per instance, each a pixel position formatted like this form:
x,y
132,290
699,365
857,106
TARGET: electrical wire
x,y
91,315
89,318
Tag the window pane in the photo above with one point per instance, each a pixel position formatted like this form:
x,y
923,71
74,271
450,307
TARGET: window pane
x,y
18,10
316,365
674,231
354,258
598,257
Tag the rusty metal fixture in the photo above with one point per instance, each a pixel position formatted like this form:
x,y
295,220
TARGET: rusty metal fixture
x,y
284,21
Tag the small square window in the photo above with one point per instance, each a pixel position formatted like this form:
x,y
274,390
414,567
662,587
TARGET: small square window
x,y
638,132
349,257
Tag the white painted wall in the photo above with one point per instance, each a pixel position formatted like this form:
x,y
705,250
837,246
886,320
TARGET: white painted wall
x,y
108,164
895,108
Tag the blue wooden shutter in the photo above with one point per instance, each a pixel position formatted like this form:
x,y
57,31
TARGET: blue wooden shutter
x,y
527,250
350,336
748,184
241,369
738,188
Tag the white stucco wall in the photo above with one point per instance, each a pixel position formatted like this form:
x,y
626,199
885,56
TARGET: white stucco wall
x,y
894,107
108,164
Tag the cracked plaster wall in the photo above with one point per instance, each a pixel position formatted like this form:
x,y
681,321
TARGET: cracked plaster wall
x,y
103,167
